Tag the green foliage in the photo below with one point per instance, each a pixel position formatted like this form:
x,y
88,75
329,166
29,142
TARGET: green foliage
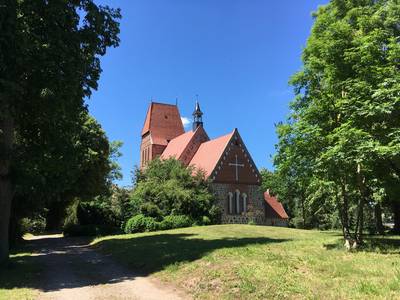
x,y
103,211
89,230
95,213
166,187
151,210
206,221
49,64
339,149
176,221
33,225
140,223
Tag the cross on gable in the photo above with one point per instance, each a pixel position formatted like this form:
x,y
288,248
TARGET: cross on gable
x,y
236,165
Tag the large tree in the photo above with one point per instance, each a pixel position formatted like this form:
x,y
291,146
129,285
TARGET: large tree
x,y
344,130
167,187
49,64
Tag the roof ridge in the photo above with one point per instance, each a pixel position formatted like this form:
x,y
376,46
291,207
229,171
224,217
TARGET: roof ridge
x,y
160,103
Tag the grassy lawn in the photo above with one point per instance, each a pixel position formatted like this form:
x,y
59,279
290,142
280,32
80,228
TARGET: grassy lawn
x,y
17,277
249,262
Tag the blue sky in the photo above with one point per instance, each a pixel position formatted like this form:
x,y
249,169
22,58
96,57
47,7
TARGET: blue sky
x,y
237,55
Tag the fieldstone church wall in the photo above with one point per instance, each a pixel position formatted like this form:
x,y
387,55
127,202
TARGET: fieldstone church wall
x,y
255,204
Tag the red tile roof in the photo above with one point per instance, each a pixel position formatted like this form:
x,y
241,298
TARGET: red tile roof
x,y
176,146
164,123
275,205
209,153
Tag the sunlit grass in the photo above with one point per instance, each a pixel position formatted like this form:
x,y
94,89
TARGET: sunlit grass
x,y
257,262
17,277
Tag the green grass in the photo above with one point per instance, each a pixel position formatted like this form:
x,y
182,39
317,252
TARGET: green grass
x,y
18,276
258,262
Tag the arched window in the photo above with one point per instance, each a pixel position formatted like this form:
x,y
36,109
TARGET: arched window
x,y
237,201
244,196
230,203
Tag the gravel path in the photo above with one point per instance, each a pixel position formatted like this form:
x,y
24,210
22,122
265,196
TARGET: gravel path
x,y
73,270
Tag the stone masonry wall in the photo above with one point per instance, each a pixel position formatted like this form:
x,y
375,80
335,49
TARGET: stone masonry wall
x,y
255,205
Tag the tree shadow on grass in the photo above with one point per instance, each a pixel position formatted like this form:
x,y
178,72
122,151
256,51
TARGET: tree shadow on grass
x,y
67,263
149,254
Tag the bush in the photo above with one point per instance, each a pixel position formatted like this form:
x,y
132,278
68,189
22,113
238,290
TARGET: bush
x,y
89,230
95,213
171,222
33,225
206,221
140,223
151,210
297,222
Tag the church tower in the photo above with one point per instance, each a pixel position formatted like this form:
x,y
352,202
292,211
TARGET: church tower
x,y
197,116
163,123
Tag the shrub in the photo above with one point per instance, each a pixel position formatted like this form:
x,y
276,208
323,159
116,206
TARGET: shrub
x,y
151,210
140,223
297,222
206,221
171,222
36,224
95,213
215,214
90,230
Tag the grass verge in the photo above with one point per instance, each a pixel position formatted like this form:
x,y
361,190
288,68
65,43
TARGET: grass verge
x,y
258,262
17,277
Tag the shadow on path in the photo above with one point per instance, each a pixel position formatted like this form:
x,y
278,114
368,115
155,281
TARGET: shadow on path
x,y
69,263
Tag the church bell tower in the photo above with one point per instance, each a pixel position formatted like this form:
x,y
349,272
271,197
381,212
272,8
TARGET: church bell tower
x,y
197,117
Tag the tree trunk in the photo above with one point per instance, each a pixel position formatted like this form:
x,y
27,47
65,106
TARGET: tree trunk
x,y
345,213
396,213
378,218
303,211
6,189
360,211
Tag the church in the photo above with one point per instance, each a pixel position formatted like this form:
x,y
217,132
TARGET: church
x,y
226,162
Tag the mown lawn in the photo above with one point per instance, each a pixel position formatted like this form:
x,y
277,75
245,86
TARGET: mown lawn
x,y
18,277
257,262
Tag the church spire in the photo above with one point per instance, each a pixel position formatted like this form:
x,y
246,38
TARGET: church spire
x,y
197,116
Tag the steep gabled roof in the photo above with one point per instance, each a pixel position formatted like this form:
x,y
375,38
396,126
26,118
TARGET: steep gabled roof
x,y
163,122
209,153
185,143
177,145
275,205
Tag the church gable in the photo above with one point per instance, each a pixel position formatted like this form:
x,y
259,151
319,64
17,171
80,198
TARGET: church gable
x,y
236,165
199,137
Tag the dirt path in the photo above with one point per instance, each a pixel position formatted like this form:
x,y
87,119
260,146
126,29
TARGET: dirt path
x,y
73,270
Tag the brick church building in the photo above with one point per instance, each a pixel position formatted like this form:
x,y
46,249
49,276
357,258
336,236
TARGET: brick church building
x,y
226,162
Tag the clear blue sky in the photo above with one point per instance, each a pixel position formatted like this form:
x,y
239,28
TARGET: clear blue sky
x,y
237,55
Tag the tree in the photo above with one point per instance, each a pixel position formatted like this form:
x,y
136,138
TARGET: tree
x,y
343,132
49,63
166,187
